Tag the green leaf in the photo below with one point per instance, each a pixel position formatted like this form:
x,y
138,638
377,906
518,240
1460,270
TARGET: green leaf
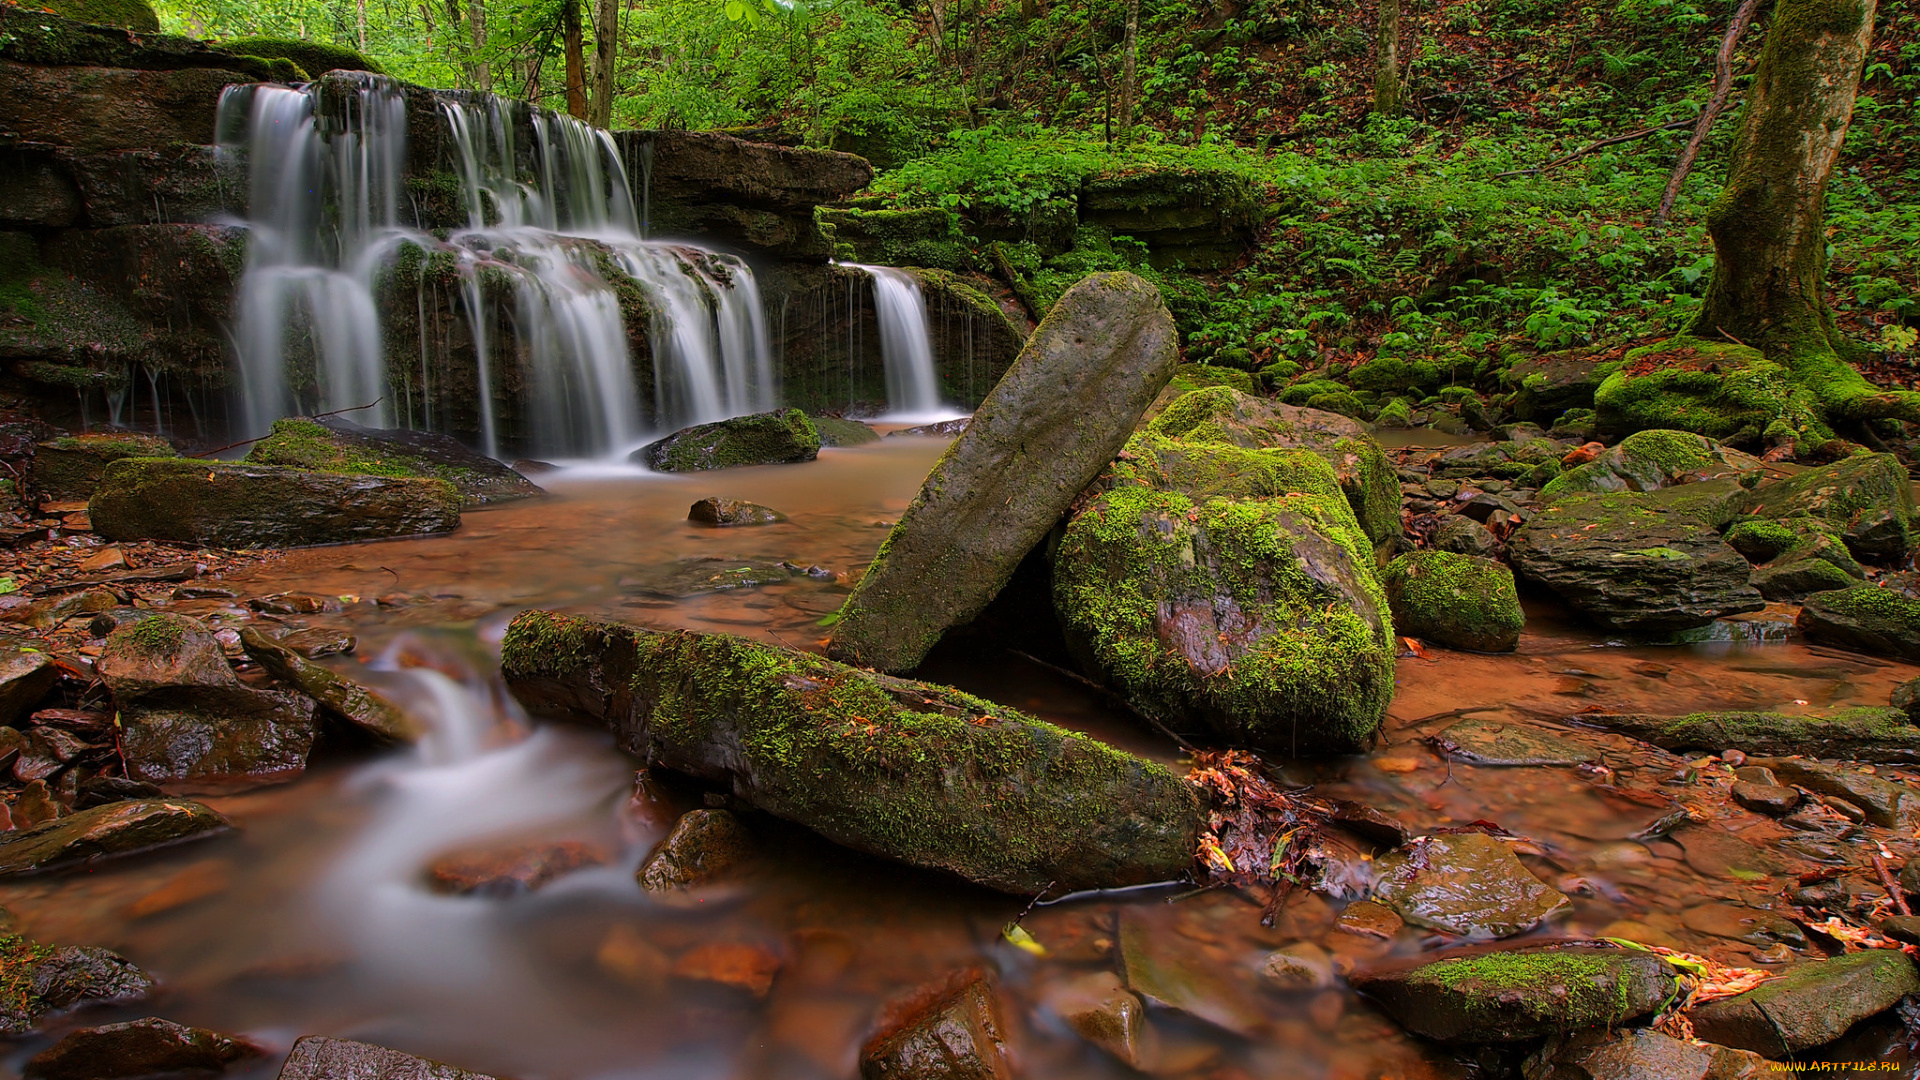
x,y
1017,935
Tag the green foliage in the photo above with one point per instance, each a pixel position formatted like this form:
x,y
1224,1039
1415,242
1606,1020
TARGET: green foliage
x,y
132,14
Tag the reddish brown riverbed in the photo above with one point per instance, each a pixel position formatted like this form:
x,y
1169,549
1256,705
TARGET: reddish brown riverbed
x,y
314,919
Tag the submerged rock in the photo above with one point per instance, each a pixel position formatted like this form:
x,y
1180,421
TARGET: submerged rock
x,y
1466,883
1639,1054
340,696
1810,1005
336,445
1463,601
138,1048
950,1034
943,429
1522,993
1165,969
769,438
1486,742
908,770
506,871
69,468
1105,1013
1861,734
231,504
722,512
704,846
837,432
1059,414
711,573
117,828
36,980
1870,618
317,1058
1867,498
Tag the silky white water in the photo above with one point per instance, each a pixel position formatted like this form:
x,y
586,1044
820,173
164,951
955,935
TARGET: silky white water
x,y
906,346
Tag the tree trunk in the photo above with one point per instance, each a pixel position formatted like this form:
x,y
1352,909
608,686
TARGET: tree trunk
x,y
361,7
1129,75
1386,60
606,47
477,26
576,62
1769,236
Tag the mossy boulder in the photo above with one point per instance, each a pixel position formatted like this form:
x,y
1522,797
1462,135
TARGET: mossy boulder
x,y
1721,390
1800,556
1394,375
233,504
1650,460
912,236
1532,462
1866,498
1225,415
69,468
1522,993
335,445
1059,415
784,436
1810,1005
1870,618
1544,387
135,15
1868,733
905,770
837,432
1263,617
1631,561
315,58
36,980
1204,470
1463,601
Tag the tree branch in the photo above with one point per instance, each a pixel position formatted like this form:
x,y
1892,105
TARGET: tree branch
x,y
1722,87
1585,150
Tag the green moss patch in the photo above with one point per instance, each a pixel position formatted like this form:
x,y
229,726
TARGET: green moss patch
x,y
1460,600
313,57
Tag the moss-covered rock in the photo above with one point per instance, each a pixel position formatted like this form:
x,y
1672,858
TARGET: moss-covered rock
x,y
1718,389
70,467
919,236
1533,462
906,770
135,15
1393,375
37,979
1810,1005
1864,617
1260,617
1463,601
1800,556
1224,415
1650,460
335,445
1522,993
837,432
1545,387
1867,498
232,504
1857,734
1204,470
315,58
770,438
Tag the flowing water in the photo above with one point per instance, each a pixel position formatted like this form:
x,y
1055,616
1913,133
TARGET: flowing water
x,y
906,347
315,917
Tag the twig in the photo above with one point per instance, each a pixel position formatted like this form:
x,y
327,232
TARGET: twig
x,y
1031,904
1722,86
1110,696
1730,337
1585,150
257,438
1893,887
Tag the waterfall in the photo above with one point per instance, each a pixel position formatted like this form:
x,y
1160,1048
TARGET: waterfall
x,y
906,345
552,243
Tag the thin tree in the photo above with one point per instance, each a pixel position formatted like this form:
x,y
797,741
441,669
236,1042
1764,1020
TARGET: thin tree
x,y
576,61
606,44
477,28
1129,75
1386,60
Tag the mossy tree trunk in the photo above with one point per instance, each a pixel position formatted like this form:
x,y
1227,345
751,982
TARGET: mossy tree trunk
x,y
606,40
477,27
1386,55
1129,75
576,60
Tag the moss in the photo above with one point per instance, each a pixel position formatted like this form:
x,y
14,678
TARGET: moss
x,y
20,992
760,439
313,57
1397,413
1343,402
135,15
1205,470
1868,498
920,237
158,635
1190,377
1458,600
1392,375
296,442
1585,987
1869,604
1840,733
1723,391
1643,461
1301,392
1760,540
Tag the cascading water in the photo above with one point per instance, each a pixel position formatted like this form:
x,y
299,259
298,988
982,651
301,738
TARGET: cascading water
x,y
906,345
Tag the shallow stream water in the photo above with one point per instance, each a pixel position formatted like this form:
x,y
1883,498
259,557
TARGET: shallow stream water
x,y
315,918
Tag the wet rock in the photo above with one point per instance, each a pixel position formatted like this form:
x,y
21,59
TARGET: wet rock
x,y
1532,462
711,573
951,1034
317,1058
318,641
25,678
338,695
1810,1005
1769,799
1869,618
335,445
35,804
1906,698
69,468
1886,804
1651,460
1462,535
721,512
119,828
770,438
54,610
1632,562
1902,928
295,603
1750,925
1547,385
1522,993
1487,742
1634,1054
36,980
1299,966
1867,498
944,429
902,769
704,846
139,1048
507,871
837,432
1860,734
1062,411
1368,919
1165,969
1462,601
1105,1013
101,790
1716,853
231,504
735,964
1468,884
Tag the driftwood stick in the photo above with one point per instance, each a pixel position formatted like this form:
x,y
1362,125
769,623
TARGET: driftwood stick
x,y
257,438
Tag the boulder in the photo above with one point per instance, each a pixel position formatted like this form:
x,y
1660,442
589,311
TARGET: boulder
x,y
1860,734
1810,1005
769,438
1719,389
1522,993
1809,559
954,1033
1869,618
722,512
1867,498
336,445
1886,803
1547,385
1534,462
232,504
25,678
317,1058
1223,415
507,871
1462,535
837,432
906,770
1633,562
1462,601
1263,618
118,828
1052,422
1632,1054
69,468
1906,698
36,980
1649,461
704,846
1469,884
337,695
138,1048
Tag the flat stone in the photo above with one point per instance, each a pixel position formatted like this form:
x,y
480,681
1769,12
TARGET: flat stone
x,y
1299,966
703,847
945,1034
70,467
1887,804
1488,742
1810,1005
138,1048
36,980
1770,799
120,828
782,437
336,694
739,965
837,432
1521,993
332,444
1469,884
1752,926
520,868
721,512
1368,919
1858,734
315,1057
707,574
1163,969
1719,854
236,505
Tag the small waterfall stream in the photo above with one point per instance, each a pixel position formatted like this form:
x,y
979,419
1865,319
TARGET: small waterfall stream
x,y
906,345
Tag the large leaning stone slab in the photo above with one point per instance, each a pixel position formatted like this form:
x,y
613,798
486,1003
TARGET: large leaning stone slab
x,y
336,445
1054,420
906,770
1811,1005
120,828
1859,734
229,504
318,1058
1521,993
